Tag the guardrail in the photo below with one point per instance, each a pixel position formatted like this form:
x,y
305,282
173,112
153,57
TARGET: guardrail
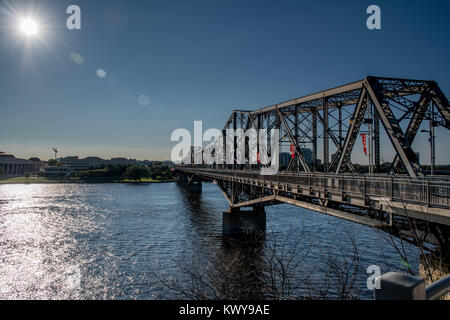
x,y
428,191
399,286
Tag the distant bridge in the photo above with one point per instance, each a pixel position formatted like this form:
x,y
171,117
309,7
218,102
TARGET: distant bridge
x,y
412,205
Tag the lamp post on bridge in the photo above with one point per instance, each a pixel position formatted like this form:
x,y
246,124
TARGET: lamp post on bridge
x,y
432,147
432,139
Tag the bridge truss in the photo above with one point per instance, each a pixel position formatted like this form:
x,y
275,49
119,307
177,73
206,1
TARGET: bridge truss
x,y
337,116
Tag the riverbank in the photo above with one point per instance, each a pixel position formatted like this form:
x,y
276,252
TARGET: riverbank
x,y
45,180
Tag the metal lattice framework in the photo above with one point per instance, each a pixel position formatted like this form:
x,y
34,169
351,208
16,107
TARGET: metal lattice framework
x,y
336,117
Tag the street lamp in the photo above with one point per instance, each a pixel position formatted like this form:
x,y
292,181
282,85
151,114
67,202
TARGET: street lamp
x,y
432,149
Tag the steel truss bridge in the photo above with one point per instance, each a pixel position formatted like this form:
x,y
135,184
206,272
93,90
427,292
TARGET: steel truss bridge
x,y
333,119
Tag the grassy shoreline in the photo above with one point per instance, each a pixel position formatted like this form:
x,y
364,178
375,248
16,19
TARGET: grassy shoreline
x,y
44,180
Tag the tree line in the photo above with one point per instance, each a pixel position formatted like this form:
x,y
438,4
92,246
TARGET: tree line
x,y
134,172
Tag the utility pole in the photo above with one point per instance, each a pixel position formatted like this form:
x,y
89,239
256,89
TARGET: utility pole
x,y
56,152
432,138
369,122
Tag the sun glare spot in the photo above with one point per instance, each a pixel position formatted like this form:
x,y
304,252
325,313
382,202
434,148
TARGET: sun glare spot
x,y
29,27
77,58
143,100
101,73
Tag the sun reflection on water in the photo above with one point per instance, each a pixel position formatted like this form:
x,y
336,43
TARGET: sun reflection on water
x,y
37,240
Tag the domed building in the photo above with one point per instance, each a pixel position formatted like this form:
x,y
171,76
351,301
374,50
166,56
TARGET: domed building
x,y
11,166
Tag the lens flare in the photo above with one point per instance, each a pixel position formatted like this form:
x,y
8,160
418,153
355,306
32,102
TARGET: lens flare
x,y
143,100
101,73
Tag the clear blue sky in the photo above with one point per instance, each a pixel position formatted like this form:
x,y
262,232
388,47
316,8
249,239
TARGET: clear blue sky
x,y
196,60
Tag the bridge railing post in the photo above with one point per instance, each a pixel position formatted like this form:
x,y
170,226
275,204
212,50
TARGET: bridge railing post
x,y
399,286
392,187
310,185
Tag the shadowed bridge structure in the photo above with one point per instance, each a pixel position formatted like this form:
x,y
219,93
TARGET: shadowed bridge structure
x,y
403,200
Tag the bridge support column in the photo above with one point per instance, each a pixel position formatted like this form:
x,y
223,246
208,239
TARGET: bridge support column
x,y
240,223
193,187
190,185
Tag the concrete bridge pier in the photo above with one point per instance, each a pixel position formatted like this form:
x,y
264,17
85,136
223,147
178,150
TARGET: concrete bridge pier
x,y
193,187
244,223
190,184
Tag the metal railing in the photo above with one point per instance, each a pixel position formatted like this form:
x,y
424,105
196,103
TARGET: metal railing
x,y
428,191
438,289
399,286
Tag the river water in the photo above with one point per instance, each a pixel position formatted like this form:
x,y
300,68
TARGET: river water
x,y
127,241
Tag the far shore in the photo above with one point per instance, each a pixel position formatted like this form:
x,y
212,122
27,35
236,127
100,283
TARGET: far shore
x,y
45,180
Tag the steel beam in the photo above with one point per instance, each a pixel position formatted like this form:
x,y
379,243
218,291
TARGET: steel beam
x,y
340,126
302,160
326,137
320,95
413,126
376,140
223,190
338,147
314,139
393,129
235,140
355,125
441,102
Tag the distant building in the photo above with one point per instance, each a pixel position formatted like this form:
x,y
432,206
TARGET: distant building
x,y
56,171
37,163
285,159
15,167
307,154
118,162
77,164
74,164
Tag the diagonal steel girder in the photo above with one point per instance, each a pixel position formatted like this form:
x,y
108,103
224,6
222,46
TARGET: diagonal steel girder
x,y
336,143
303,132
441,102
413,127
357,119
294,163
224,192
393,129
303,162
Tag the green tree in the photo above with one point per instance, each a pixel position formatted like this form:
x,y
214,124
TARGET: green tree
x,y
2,172
27,175
137,173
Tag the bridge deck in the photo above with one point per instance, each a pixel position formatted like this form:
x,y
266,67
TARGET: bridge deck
x,y
423,198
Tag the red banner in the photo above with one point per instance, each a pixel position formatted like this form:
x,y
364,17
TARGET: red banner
x,y
293,151
259,158
364,140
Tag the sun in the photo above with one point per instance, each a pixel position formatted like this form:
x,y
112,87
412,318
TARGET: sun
x,y
29,26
